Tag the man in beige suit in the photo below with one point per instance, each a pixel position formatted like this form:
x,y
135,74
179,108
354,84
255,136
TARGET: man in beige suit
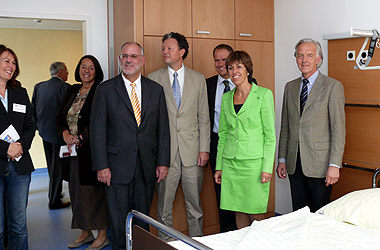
x,y
186,98
312,134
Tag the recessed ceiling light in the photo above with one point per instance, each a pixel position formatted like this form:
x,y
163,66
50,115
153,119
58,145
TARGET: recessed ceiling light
x,y
37,21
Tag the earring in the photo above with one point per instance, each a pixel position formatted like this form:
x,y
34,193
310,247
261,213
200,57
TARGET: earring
x,y
247,74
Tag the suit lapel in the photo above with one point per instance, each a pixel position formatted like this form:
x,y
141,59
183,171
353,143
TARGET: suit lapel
x,y
318,86
295,92
230,102
186,86
145,93
165,80
11,100
122,92
251,98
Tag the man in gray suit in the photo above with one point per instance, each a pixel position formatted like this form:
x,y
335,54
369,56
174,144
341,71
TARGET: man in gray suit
x,y
47,102
186,95
313,131
130,141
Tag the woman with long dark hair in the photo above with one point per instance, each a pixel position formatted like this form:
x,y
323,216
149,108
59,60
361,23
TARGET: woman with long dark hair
x,y
15,162
87,194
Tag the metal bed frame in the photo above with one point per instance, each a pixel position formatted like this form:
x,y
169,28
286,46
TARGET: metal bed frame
x,y
170,231
184,238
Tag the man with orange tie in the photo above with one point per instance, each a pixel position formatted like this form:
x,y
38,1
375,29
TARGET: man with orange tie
x,y
130,142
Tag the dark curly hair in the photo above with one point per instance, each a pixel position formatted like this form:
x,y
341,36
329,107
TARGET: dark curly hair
x,y
181,40
13,82
98,70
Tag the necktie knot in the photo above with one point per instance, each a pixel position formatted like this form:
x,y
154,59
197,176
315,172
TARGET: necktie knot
x,y
226,86
305,82
175,74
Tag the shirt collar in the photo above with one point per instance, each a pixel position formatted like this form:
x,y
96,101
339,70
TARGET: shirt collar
x,y
312,78
128,82
179,71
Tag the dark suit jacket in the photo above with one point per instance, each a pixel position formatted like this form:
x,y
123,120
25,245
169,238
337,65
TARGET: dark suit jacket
x,y
24,125
86,175
115,137
211,92
47,103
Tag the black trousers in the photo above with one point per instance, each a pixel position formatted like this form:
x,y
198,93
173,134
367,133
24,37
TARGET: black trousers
x,y
308,191
122,198
227,218
54,165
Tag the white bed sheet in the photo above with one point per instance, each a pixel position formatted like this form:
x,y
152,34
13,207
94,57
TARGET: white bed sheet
x,y
298,230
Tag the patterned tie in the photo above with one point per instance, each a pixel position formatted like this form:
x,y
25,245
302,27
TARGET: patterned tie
x,y
303,96
135,104
176,90
226,86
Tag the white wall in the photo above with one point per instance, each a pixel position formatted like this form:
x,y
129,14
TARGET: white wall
x,y
296,19
93,12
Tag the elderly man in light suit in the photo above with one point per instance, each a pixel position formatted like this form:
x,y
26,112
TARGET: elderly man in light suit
x,y
186,97
312,134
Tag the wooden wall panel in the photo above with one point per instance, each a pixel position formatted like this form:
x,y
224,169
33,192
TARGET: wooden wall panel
x,y
362,133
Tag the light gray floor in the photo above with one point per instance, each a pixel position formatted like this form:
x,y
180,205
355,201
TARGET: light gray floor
x,y
48,229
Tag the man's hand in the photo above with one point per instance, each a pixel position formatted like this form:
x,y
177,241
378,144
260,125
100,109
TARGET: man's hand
x,y
218,176
281,170
104,176
332,176
203,159
161,172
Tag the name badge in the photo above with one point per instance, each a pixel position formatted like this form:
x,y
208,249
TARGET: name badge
x,y
19,108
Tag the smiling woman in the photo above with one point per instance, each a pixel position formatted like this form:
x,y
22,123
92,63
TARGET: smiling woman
x,y
15,162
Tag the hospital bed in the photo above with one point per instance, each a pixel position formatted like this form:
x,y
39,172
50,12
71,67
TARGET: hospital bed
x,y
350,222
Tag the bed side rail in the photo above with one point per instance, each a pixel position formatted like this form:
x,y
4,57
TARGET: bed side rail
x,y
168,230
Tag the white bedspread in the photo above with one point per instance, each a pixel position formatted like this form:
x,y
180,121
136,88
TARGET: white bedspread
x,y
298,230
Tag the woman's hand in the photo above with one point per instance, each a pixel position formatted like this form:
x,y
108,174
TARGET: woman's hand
x,y
14,150
265,177
69,138
218,176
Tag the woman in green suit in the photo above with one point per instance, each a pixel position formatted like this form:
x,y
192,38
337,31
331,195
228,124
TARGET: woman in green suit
x,y
247,141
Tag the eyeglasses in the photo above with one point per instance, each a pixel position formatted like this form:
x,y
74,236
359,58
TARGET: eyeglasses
x,y
132,56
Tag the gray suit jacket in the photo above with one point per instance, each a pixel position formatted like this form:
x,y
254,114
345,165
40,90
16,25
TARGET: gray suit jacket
x,y
116,139
190,126
319,132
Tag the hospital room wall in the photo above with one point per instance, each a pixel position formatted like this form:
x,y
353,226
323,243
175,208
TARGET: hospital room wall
x,y
296,19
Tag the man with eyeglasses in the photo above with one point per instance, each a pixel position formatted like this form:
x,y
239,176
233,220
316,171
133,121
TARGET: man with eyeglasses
x,y
186,96
313,131
130,141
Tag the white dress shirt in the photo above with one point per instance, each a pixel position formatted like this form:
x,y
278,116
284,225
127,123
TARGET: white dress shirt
x,y
218,100
180,77
137,88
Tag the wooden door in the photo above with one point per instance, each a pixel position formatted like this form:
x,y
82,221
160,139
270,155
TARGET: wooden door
x,y
254,20
163,16
203,60
213,18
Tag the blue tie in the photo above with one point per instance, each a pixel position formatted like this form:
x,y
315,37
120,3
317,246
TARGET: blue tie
x,y
226,86
303,96
176,90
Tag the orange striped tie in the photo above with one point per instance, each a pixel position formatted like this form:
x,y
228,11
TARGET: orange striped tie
x,y
136,104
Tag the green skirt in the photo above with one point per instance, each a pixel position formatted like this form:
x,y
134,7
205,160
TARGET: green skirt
x,y
242,190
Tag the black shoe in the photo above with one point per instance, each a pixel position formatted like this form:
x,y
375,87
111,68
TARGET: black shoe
x,y
62,204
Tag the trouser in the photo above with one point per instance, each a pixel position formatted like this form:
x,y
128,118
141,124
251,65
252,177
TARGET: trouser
x,y
54,166
14,188
308,191
191,179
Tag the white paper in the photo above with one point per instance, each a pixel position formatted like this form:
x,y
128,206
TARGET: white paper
x,y
10,135
64,151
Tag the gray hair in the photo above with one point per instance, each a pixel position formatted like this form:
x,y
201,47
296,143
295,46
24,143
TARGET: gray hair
x,y
128,43
317,45
55,67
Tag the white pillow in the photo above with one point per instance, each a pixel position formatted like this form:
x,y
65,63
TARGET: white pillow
x,y
361,208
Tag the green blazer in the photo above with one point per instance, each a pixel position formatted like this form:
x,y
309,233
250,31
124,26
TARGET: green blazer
x,y
251,133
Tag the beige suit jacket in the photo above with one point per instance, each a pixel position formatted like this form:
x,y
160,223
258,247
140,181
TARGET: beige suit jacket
x,y
319,132
190,125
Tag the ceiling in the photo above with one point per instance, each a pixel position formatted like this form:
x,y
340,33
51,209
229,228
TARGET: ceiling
x,y
30,23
